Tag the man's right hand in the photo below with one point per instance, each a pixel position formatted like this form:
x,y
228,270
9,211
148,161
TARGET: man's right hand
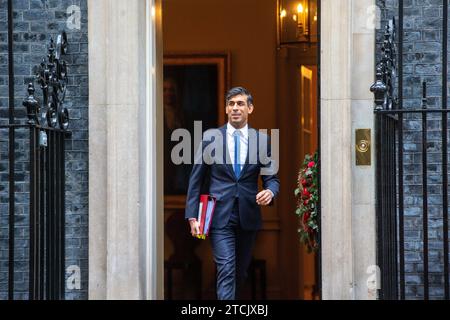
x,y
195,227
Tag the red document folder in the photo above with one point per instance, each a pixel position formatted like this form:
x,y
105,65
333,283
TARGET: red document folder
x,y
205,214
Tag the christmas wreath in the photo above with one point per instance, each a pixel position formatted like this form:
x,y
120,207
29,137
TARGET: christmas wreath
x,y
307,193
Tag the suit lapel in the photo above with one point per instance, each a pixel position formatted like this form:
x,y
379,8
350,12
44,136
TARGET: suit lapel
x,y
253,150
226,152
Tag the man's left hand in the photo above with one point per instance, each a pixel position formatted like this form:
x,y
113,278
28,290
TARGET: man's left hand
x,y
264,197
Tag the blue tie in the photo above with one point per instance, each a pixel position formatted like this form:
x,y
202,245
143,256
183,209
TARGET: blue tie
x,y
237,151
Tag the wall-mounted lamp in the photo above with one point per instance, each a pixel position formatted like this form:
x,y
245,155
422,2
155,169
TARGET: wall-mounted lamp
x,y
296,22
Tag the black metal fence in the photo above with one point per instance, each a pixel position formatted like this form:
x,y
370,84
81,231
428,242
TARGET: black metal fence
x,y
46,211
391,119
44,135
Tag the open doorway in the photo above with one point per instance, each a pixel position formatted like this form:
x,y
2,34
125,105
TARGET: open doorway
x,y
209,47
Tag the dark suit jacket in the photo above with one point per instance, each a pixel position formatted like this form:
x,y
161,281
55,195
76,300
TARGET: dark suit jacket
x,y
223,184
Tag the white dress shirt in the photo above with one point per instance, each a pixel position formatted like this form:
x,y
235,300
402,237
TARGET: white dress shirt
x,y
243,134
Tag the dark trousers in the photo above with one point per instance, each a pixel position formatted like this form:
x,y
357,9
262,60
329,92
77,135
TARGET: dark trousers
x,y
232,250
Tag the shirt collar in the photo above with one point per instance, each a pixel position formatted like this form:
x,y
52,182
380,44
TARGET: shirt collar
x,y
231,130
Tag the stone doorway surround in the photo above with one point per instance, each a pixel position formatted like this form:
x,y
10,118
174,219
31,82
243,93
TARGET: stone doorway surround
x,y
125,160
125,143
347,191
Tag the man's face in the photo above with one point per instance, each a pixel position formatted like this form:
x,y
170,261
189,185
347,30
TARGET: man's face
x,y
238,110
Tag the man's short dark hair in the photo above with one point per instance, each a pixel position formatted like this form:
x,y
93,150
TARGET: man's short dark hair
x,y
237,91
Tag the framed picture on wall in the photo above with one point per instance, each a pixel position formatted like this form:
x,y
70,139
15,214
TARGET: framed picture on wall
x,y
194,90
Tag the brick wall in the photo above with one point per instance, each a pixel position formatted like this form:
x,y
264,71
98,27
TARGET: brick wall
x,y
34,22
422,61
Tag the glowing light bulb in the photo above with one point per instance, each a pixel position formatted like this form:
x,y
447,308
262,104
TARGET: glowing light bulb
x,y
283,13
300,8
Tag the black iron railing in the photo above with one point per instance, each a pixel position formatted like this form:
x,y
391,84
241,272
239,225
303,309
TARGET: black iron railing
x,y
44,133
386,127
46,211
390,120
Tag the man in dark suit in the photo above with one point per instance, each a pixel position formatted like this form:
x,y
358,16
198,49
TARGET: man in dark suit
x,y
234,183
